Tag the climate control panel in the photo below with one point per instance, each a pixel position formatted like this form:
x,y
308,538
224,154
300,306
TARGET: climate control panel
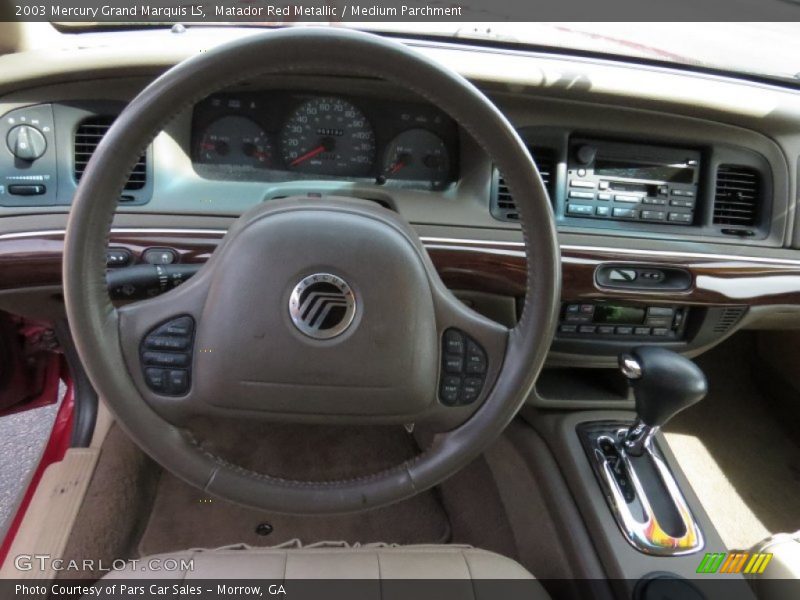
x,y
605,320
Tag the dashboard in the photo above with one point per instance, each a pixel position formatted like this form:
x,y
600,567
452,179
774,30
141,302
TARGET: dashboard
x,y
674,194
284,135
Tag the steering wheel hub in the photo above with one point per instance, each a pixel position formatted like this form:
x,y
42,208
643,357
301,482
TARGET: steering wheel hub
x,y
322,306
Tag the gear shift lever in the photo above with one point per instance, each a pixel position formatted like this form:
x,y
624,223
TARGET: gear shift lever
x,y
664,383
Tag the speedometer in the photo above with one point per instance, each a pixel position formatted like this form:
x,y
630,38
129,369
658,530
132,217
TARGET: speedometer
x,y
328,136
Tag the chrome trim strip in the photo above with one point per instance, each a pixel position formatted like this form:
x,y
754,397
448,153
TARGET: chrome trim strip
x,y
444,243
632,251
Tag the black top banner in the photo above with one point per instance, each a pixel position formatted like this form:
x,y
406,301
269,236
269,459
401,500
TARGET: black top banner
x,y
331,11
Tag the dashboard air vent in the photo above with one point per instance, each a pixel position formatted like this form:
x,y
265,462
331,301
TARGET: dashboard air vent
x,y
88,134
736,201
502,205
729,317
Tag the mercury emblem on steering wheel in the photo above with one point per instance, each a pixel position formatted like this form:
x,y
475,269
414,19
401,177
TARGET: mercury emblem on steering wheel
x,y
322,306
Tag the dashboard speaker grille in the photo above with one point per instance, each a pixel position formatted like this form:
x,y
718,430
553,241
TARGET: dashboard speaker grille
x,y
502,204
87,135
736,200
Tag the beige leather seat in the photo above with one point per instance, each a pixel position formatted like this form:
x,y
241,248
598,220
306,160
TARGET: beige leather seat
x,y
326,561
784,566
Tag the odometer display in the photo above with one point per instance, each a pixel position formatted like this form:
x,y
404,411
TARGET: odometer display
x,y
328,136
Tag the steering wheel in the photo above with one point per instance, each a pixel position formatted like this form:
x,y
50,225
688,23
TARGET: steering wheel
x,y
311,310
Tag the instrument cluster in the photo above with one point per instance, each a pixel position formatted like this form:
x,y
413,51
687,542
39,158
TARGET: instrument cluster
x,y
281,136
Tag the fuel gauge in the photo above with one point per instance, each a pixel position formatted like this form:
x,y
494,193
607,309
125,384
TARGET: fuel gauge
x,y
235,141
417,155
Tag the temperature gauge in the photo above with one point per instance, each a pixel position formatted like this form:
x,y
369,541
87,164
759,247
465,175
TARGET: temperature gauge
x,y
235,141
418,155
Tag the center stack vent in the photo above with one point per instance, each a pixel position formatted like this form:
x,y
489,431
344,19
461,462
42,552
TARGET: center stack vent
x,y
502,204
737,200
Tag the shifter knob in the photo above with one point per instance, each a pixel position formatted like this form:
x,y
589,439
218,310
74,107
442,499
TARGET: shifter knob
x,y
664,383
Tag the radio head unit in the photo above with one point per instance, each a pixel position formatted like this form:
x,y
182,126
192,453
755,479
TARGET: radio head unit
x,y
631,182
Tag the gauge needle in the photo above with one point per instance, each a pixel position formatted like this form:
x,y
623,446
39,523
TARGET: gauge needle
x,y
310,154
396,167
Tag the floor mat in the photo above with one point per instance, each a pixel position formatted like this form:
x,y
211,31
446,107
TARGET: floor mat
x,y
743,465
184,517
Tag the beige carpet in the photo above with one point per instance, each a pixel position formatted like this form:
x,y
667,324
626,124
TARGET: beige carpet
x,y
740,459
184,517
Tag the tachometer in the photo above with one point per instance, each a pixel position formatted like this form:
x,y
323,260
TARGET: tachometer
x,y
328,136
235,141
419,155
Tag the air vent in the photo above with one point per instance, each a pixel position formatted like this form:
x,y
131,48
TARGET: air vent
x,y
88,135
502,205
736,201
728,318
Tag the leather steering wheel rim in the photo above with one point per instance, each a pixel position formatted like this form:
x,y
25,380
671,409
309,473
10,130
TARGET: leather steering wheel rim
x,y
95,323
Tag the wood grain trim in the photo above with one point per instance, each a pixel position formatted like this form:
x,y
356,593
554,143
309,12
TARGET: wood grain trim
x,y
35,260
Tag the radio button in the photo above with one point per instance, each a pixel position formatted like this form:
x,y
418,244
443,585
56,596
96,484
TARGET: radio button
x,y
603,185
641,331
660,331
581,183
659,201
587,309
685,193
682,203
653,215
568,328
627,198
603,211
604,196
580,209
581,195
587,329
624,330
573,308
605,329
627,213
680,217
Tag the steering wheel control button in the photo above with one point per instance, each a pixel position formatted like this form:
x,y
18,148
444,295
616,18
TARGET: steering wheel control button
x,y
464,368
166,359
167,343
178,382
476,359
160,256
453,342
453,363
156,379
322,306
451,388
471,390
166,353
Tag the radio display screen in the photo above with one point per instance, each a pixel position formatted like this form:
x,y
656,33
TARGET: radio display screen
x,y
619,315
670,173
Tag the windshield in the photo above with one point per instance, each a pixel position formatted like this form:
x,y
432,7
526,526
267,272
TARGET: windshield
x,y
763,49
